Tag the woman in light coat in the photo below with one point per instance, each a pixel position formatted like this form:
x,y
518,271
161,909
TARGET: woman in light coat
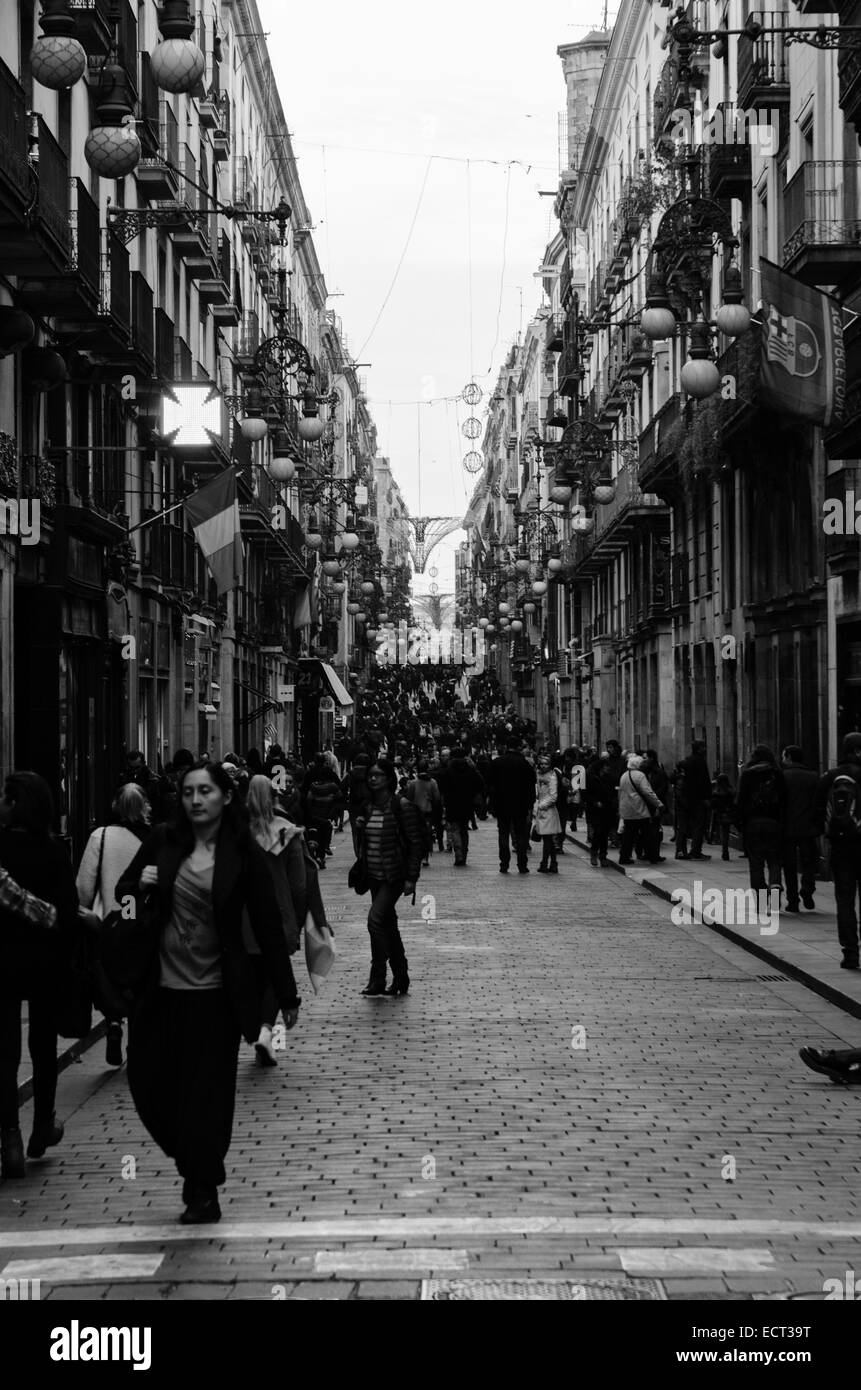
x,y
637,803
110,849
547,821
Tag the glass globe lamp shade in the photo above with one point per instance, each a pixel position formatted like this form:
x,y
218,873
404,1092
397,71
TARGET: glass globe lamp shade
x,y
331,566
517,625
253,428
561,494
112,151
490,629
281,470
371,632
583,524
700,377
17,330
339,587
539,588
360,616
657,322
313,540
177,65
367,586
354,608
484,622
554,564
57,61
733,319
310,429
384,615
521,564
604,493
530,608
504,610
349,540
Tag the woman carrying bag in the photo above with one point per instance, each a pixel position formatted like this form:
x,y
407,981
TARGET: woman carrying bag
x,y
390,858
34,964
110,849
547,822
192,881
284,847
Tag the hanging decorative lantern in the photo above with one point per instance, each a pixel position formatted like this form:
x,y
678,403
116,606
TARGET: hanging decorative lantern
x,y
350,538
539,588
354,607
554,564
604,492
367,586
583,524
112,148
361,616
700,376
313,537
177,64
522,563
384,615
253,426
530,608
733,318
504,609
658,319
331,566
517,625
339,587
281,470
17,330
371,632
310,429
42,369
484,622
490,629
561,494
57,60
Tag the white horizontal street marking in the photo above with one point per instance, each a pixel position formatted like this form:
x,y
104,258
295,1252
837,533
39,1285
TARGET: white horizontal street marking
x,y
374,1260
693,1259
76,1269
416,1227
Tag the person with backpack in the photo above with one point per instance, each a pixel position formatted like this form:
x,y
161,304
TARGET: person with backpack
x,y
638,806
799,835
837,815
760,808
391,852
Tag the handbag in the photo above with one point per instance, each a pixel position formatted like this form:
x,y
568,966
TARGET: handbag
x,y
127,948
357,878
320,951
535,834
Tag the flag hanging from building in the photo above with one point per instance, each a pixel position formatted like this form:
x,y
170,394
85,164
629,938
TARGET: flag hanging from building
x,y
803,361
214,515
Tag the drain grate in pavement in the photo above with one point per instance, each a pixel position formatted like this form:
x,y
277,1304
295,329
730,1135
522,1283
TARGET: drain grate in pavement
x,y
740,979
516,1290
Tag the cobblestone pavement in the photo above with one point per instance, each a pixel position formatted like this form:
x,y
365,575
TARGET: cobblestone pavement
x,y
575,1089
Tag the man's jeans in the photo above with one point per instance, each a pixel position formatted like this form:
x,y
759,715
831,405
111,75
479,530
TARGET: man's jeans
x,y
846,869
690,822
513,824
763,844
458,832
386,943
801,848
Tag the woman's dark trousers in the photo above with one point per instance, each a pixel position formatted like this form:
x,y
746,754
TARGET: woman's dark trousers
x,y
548,854
386,944
182,1055
42,1043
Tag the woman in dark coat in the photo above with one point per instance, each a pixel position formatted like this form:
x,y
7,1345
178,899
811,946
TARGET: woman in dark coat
x,y
32,963
201,996
392,849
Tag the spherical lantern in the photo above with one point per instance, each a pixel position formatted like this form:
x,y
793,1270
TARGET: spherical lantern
x,y
310,428
253,428
490,629
583,524
539,588
700,376
484,622
657,320
313,538
733,317
331,566
42,369
522,563
112,151
604,493
517,625
561,494
177,65
350,537
360,616
530,608
281,470
554,564
339,587
367,586
57,60
371,632
354,608
384,615
17,329
504,610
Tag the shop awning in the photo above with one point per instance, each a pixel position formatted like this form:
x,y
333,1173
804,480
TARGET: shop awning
x,y
341,694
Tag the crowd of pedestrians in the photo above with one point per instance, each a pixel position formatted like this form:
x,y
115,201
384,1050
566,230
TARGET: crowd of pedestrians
x,y
222,863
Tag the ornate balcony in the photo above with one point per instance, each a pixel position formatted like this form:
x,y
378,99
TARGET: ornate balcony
x,y
16,180
822,218
571,371
156,174
43,246
659,444
93,27
727,166
554,340
763,66
75,294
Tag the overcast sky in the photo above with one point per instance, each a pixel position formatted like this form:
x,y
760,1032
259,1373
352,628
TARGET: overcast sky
x,y
394,109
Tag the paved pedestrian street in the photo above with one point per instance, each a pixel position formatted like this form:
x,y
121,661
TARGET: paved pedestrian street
x,y
576,1090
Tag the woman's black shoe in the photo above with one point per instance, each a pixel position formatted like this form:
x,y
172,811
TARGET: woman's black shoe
x,y
12,1163
373,989
44,1137
399,986
201,1213
114,1048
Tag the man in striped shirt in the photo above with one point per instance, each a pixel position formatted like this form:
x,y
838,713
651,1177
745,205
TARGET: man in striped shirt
x,y
16,899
